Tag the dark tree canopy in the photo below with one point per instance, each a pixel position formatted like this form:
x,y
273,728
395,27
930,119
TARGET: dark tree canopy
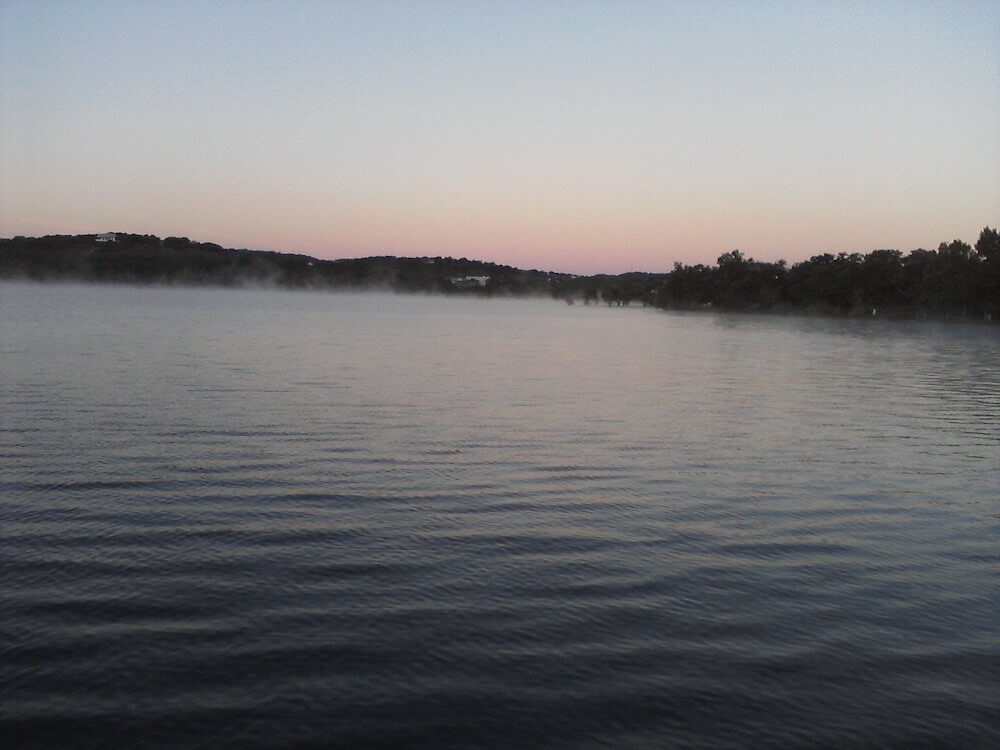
x,y
956,280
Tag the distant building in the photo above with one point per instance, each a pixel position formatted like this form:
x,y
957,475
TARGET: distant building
x,y
107,237
467,282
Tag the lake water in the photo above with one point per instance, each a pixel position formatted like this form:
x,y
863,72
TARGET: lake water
x,y
273,519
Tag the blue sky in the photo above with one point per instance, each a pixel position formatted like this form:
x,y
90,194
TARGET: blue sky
x,y
572,136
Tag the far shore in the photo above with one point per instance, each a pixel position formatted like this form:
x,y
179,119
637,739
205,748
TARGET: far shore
x,y
957,281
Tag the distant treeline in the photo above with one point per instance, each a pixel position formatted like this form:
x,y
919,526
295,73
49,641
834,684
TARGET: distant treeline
x,y
955,281
146,259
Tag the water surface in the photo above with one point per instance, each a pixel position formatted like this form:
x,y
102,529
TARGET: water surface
x,y
275,519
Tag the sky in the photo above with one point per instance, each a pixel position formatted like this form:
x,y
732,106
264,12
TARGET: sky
x,y
583,137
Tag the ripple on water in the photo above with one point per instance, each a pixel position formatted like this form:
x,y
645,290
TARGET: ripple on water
x,y
307,519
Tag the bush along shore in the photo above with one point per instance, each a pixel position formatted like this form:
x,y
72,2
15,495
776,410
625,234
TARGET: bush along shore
x,y
955,281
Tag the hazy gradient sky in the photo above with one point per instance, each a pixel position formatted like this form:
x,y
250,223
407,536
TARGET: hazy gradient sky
x,y
571,136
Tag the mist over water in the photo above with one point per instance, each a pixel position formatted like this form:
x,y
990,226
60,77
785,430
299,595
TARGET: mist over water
x,y
276,519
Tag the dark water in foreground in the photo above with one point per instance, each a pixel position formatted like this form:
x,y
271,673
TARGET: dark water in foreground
x,y
254,519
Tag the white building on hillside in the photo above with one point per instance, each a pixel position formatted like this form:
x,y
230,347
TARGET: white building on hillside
x,y
468,281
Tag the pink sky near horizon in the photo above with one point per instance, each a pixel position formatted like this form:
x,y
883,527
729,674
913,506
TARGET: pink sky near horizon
x,y
576,137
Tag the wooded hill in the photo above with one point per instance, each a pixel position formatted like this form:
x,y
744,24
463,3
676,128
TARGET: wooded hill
x,y
146,259
955,281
